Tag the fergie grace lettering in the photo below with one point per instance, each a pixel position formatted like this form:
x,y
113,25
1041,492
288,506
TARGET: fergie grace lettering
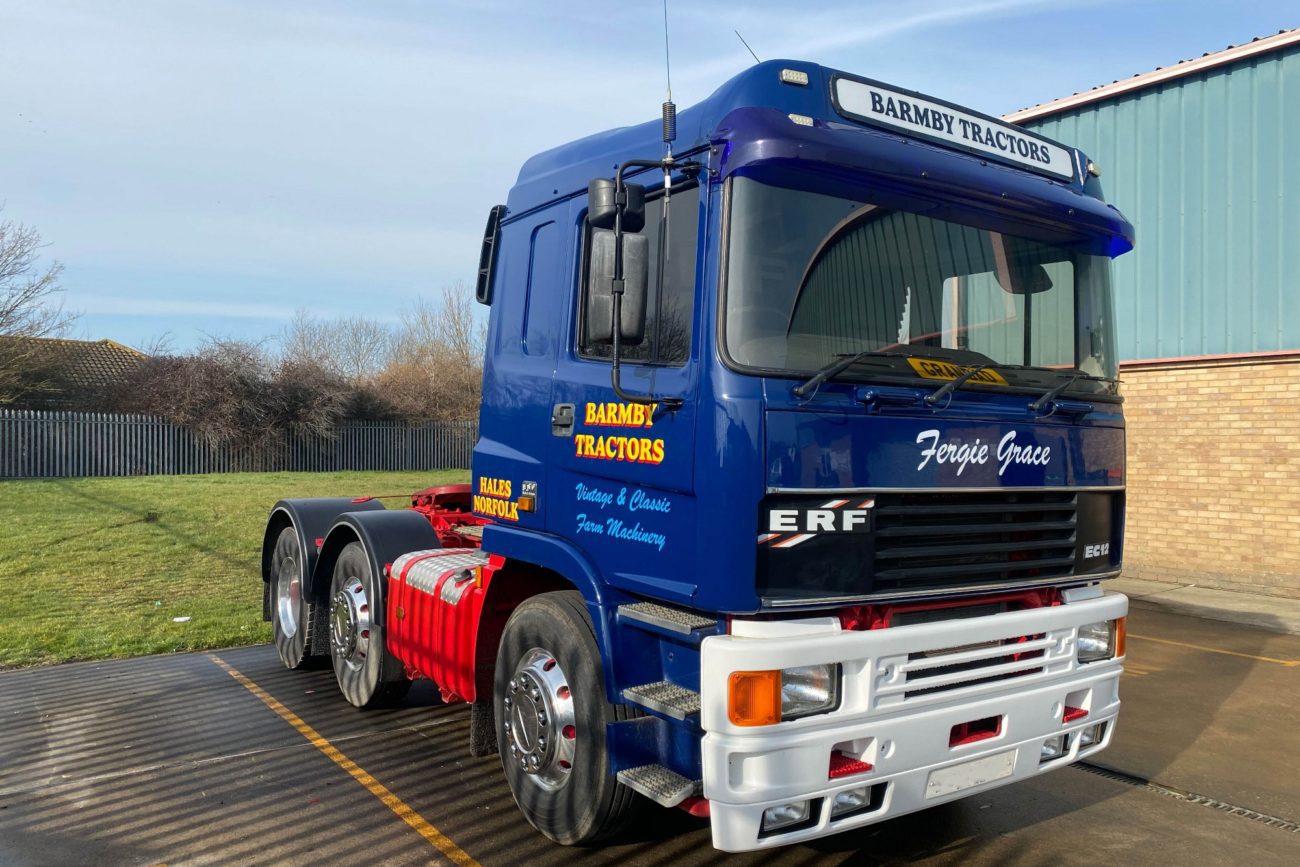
x,y
976,452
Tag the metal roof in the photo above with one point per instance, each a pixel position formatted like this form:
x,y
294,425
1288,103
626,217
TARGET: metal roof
x,y
1209,60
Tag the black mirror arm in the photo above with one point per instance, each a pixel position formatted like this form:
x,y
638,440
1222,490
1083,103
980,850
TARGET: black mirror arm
x,y
616,290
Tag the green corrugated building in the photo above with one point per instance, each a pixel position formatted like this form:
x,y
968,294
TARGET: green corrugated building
x,y
1204,158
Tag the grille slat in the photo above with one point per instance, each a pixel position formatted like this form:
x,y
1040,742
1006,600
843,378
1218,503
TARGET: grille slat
x,y
918,529
995,547
924,540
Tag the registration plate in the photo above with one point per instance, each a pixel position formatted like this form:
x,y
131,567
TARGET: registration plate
x,y
945,781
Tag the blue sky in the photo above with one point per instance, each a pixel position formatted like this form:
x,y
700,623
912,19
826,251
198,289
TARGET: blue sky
x,y
208,166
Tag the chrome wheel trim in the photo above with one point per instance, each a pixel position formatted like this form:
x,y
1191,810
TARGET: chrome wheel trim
x,y
350,623
288,596
539,720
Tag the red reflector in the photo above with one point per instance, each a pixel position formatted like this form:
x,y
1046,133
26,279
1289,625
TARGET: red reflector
x,y
843,766
696,806
975,730
1073,713
320,542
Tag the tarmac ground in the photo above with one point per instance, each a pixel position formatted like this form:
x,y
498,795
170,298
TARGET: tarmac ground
x,y
227,758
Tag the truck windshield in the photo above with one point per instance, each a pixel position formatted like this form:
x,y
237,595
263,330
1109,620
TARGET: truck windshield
x,y
812,277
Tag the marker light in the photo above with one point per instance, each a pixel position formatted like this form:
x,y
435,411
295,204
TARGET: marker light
x,y
794,76
760,698
754,698
1100,640
802,119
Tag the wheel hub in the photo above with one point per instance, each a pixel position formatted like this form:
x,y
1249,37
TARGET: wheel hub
x,y
539,719
288,596
350,623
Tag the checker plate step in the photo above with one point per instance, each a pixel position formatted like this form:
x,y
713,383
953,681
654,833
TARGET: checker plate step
x,y
666,617
661,785
666,698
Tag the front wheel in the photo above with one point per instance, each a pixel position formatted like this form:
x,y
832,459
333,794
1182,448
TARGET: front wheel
x,y
551,714
367,673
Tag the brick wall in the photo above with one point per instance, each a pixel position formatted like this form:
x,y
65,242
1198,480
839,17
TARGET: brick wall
x,y
1214,472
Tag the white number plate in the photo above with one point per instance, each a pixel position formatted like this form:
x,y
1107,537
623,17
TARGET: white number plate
x,y
945,781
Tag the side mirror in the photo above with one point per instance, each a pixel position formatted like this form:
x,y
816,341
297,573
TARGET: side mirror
x,y
601,205
600,280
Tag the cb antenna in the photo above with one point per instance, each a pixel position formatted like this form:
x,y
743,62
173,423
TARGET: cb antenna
x,y
670,125
744,43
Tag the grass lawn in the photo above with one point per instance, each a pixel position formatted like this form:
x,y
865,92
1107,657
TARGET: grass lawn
x,y
97,568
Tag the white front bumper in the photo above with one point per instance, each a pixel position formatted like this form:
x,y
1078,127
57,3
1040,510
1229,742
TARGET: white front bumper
x,y
901,727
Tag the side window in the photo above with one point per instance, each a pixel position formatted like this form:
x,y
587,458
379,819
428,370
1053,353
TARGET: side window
x,y
671,297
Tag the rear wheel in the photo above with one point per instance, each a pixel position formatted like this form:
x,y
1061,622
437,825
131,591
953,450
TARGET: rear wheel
x,y
367,673
551,714
294,616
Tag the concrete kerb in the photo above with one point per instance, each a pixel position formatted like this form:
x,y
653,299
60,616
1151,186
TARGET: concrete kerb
x,y
1271,613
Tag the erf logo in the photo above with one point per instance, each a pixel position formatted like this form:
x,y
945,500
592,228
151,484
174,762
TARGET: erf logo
x,y
1090,551
789,527
818,520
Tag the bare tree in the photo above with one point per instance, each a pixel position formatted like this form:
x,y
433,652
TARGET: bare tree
x,y
361,348
26,309
436,371
353,347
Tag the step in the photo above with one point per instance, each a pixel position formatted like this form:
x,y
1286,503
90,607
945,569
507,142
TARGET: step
x,y
666,698
661,785
666,617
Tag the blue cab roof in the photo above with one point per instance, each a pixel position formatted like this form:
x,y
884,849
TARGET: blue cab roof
x,y
749,116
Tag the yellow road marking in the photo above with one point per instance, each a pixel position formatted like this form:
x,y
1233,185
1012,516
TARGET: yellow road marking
x,y
1289,663
376,788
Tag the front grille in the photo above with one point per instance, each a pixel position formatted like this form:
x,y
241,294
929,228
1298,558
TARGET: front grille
x,y
956,668
929,540
933,673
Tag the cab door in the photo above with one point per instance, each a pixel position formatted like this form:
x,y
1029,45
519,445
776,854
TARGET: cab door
x,y
622,474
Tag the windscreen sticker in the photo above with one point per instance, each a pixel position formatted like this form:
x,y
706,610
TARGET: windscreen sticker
x,y
932,369
615,447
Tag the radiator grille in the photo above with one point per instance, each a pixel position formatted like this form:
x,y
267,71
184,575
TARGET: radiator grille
x,y
925,540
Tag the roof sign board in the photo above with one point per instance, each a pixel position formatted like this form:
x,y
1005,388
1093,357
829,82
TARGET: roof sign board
x,y
946,124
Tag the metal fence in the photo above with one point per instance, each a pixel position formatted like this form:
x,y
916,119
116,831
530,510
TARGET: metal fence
x,y
45,445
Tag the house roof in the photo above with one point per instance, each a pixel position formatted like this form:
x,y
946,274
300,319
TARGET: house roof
x,y
1233,53
81,364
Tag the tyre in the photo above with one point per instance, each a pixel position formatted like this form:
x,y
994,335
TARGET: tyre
x,y
551,712
294,616
367,673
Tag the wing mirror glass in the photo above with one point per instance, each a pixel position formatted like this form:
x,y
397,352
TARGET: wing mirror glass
x,y
600,283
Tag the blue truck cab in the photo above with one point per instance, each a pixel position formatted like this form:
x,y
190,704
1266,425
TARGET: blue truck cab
x,y
810,217
801,466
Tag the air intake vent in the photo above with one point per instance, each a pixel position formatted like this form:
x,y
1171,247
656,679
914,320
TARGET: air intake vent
x,y
926,540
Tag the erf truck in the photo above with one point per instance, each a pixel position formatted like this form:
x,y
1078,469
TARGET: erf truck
x,y
800,469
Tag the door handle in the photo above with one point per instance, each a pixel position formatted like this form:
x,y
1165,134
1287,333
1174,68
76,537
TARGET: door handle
x,y
562,420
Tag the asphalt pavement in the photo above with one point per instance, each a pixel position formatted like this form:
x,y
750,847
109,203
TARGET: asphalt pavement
x,y
226,758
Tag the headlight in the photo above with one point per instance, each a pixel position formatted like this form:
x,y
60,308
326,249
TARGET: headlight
x,y
1101,640
808,690
758,698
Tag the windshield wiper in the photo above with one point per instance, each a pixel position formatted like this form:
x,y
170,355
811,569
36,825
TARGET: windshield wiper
x,y
1055,391
949,387
843,363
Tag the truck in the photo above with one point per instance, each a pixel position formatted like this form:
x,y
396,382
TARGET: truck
x,y
800,468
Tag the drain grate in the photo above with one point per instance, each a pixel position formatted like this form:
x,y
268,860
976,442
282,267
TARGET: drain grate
x,y
1190,797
